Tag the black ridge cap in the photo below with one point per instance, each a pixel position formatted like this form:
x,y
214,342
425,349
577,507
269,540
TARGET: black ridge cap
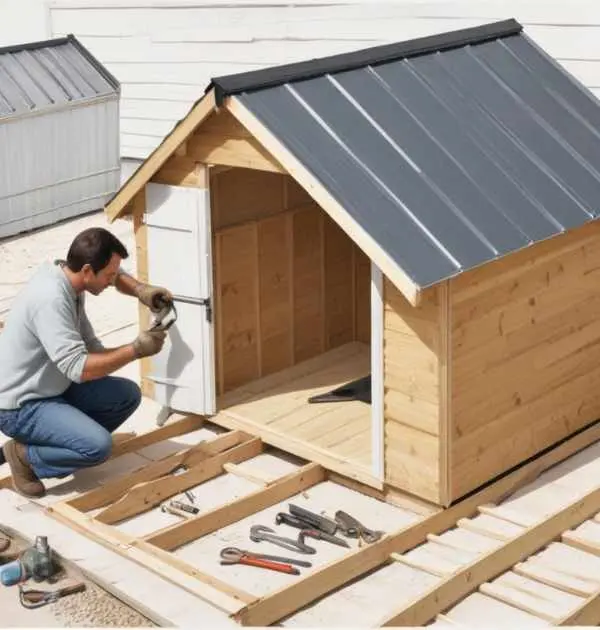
x,y
15,48
95,63
61,41
270,77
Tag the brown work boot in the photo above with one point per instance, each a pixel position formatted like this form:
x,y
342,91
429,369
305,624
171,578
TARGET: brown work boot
x,y
25,481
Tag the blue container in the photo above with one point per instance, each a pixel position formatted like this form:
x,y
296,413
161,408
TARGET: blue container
x,y
11,573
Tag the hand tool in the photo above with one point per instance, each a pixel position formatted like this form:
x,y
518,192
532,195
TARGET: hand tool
x,y
167,309
34,598
260,533
189,496
180,505
354,529
308,531
316,520
171,509
319,535
233,555
292,521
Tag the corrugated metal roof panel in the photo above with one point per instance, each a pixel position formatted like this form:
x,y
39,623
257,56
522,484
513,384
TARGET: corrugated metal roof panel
x,y
35,77
447,159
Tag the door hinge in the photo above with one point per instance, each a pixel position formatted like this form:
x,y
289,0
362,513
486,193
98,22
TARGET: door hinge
x,y
198,302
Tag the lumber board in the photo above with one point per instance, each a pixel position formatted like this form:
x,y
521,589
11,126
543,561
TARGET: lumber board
x,y
323,580
145,496
491,564
174,536
301,448
222,596
588,614
113,490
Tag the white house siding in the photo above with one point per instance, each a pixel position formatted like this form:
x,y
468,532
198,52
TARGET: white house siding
x,y
71,165
164,53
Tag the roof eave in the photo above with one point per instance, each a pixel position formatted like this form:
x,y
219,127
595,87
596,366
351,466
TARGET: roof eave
x,y
120,204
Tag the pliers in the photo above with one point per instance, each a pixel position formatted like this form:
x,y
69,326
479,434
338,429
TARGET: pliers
x,y
354,529
233,555
33,598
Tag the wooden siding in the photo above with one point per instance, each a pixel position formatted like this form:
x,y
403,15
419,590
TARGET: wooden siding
x,y
289,283
414,361
525,355
164,53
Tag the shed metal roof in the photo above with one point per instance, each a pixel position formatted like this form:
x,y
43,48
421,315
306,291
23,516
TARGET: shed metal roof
x,y
42,75
449,151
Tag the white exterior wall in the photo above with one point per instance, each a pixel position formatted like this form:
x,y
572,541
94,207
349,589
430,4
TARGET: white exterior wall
x,y
58,164
165,52
23,21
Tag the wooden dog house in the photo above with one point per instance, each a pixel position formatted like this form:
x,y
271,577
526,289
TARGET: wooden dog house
x,y
423,213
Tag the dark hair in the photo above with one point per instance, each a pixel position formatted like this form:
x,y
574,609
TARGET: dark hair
x,y
94,247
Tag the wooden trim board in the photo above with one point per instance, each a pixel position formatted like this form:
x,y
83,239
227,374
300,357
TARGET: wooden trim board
x,y
120,202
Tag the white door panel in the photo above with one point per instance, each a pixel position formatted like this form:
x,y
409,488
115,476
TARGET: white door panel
x,y
179,258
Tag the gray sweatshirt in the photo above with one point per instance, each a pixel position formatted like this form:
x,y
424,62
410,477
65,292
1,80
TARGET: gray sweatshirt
x,y
45,341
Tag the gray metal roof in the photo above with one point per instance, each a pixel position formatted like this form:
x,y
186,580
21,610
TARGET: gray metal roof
x,y
35,77
449,156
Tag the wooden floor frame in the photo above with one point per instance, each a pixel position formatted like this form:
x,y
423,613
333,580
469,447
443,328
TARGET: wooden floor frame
x,y
137,492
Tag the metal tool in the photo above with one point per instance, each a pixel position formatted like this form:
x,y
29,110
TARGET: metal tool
x,y
233,555
190,509
206,302
33,598
291,520
316,520
355,529
259,533
168,508
165,318
35,562
308,530
319,535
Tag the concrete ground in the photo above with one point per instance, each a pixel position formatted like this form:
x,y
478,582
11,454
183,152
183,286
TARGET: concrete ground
x,y
114,318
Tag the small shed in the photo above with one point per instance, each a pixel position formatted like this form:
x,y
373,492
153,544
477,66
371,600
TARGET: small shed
x,y
411,227
59,134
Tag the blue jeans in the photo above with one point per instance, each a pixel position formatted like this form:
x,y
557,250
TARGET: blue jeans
x,y
72,431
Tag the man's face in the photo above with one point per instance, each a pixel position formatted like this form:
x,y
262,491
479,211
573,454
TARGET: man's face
x,y
95,283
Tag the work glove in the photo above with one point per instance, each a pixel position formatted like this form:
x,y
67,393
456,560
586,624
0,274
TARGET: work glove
x,y
155,298
148,343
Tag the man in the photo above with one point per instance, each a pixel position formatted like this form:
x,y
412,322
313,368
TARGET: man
x,y
57,401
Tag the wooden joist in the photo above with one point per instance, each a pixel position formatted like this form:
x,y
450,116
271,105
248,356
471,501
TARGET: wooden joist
x,y
154,551
176,535
206,587
150,494
283,602
115,489
468,579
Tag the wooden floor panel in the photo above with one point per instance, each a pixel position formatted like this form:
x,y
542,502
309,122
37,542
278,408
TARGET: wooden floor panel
x,y
278,405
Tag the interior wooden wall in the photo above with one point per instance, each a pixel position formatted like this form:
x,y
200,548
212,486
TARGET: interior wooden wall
x,y
415,392
289,283
525,355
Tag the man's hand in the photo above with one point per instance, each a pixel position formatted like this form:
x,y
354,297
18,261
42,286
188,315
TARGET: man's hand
x,y
155,298
148,343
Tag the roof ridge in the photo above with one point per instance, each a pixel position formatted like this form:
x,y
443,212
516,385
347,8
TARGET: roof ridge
x,y
270,77
47,43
